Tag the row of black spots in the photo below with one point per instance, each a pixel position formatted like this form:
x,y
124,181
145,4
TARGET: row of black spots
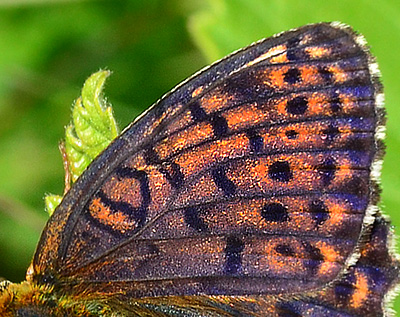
x,y
299,104
278,212
355,67
233,255
277,171
357,142
293,76
313,258
328,134
327,170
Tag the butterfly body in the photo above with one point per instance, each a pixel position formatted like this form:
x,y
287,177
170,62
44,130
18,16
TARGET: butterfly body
x,y
251,189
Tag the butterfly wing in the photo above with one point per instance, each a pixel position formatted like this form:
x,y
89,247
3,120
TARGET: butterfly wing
x,y
364,290
257,176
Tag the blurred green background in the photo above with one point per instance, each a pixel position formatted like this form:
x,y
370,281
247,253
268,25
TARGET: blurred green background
x,y
48,48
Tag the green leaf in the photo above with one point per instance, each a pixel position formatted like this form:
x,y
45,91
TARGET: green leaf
x,y
93,127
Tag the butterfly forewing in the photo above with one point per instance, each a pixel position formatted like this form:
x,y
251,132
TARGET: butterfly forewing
x,y
251,178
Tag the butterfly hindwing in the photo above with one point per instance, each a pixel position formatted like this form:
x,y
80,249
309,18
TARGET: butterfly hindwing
x,y
253,173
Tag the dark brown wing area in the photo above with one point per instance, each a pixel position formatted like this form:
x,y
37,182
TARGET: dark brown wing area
x,y
255,177
364,290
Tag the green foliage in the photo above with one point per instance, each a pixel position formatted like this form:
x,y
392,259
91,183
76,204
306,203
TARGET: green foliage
x,y
51,202
93,127
48,51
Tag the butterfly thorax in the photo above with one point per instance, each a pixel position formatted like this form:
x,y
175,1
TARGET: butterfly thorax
x,y
32,299
23,299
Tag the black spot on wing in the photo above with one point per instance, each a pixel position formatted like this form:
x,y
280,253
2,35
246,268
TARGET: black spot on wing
x,y
170,170
197,112
219,125
356,186
297,105
150,156
335,102
256,142
326,74
292,76
319,212
291,134
329,133
193,219
233,255
293,53
222,181
345,290
327,170
280,171
173,174
314,258
285,250
275,212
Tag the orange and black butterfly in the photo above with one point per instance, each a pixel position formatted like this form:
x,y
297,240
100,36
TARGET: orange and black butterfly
x,y
249,190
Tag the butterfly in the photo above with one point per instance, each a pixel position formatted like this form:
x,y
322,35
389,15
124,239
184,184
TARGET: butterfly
x,y
251,189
